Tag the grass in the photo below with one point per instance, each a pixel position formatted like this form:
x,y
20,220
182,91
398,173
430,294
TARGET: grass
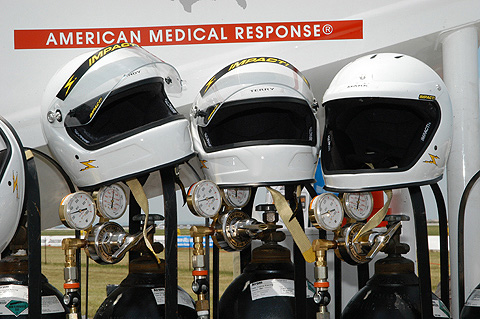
x,y
433,230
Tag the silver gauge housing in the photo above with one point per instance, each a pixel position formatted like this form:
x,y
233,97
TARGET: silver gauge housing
x,y
112,201
358,206
326,211
77,210
237,197
204,199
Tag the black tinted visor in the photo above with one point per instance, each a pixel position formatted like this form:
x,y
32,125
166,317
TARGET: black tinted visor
x,y
386,133
125,112
260,121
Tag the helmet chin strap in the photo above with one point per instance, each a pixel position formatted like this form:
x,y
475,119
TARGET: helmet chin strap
x,y
298,235
141,198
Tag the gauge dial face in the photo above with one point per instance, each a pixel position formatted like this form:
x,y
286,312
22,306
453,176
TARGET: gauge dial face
x,y
77,210
204,199
237,197
326,211
358,205
112,201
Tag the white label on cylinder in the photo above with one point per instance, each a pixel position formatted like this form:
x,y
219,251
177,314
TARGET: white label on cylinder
x,y
184,299
14,300
272,288
474,299
439,309
51,304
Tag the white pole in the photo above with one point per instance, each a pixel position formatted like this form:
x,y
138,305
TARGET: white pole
x,y
460,70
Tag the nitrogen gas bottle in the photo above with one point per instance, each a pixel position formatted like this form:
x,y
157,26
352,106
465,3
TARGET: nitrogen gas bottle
x,y
471,309
142,295
14,292
393,292
265,289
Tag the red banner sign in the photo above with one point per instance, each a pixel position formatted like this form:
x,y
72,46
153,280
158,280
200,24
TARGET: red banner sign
x,y
189,34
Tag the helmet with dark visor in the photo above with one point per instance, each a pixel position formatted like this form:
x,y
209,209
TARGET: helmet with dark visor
x,y
255,104
114,103
377,133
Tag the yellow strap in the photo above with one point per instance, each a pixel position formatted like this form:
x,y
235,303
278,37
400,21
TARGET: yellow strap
x,y
293,226
141,198
28,154
377,218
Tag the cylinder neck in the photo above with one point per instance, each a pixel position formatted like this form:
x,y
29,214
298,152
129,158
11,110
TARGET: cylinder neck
x,y
271,252
146,265
394,264
14,265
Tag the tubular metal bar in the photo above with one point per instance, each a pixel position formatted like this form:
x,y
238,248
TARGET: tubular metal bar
x,y
245,257
246,254
337,266
78,260
216,280
363,275
207,257
134,226
311,191
298,259
34,244
443,229
421,237
171,267
71,187
461,240
214,286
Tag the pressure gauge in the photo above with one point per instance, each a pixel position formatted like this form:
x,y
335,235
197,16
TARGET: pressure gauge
x,y
358,205
77,210
237,197
204,199
326,211
112,201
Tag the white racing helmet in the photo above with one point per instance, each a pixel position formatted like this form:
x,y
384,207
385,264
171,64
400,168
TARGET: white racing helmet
x,y
12,182
107,117
388,125
254,123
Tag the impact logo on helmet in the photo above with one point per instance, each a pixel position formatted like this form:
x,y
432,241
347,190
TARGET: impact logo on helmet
x,y
203,163
14,182
243,62
433,159
96,107
88,165
82,69
426,97
69,84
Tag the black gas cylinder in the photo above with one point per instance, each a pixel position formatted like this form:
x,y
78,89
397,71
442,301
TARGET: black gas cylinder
x,y
14,292
265,289
393,292
141,295
471,309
